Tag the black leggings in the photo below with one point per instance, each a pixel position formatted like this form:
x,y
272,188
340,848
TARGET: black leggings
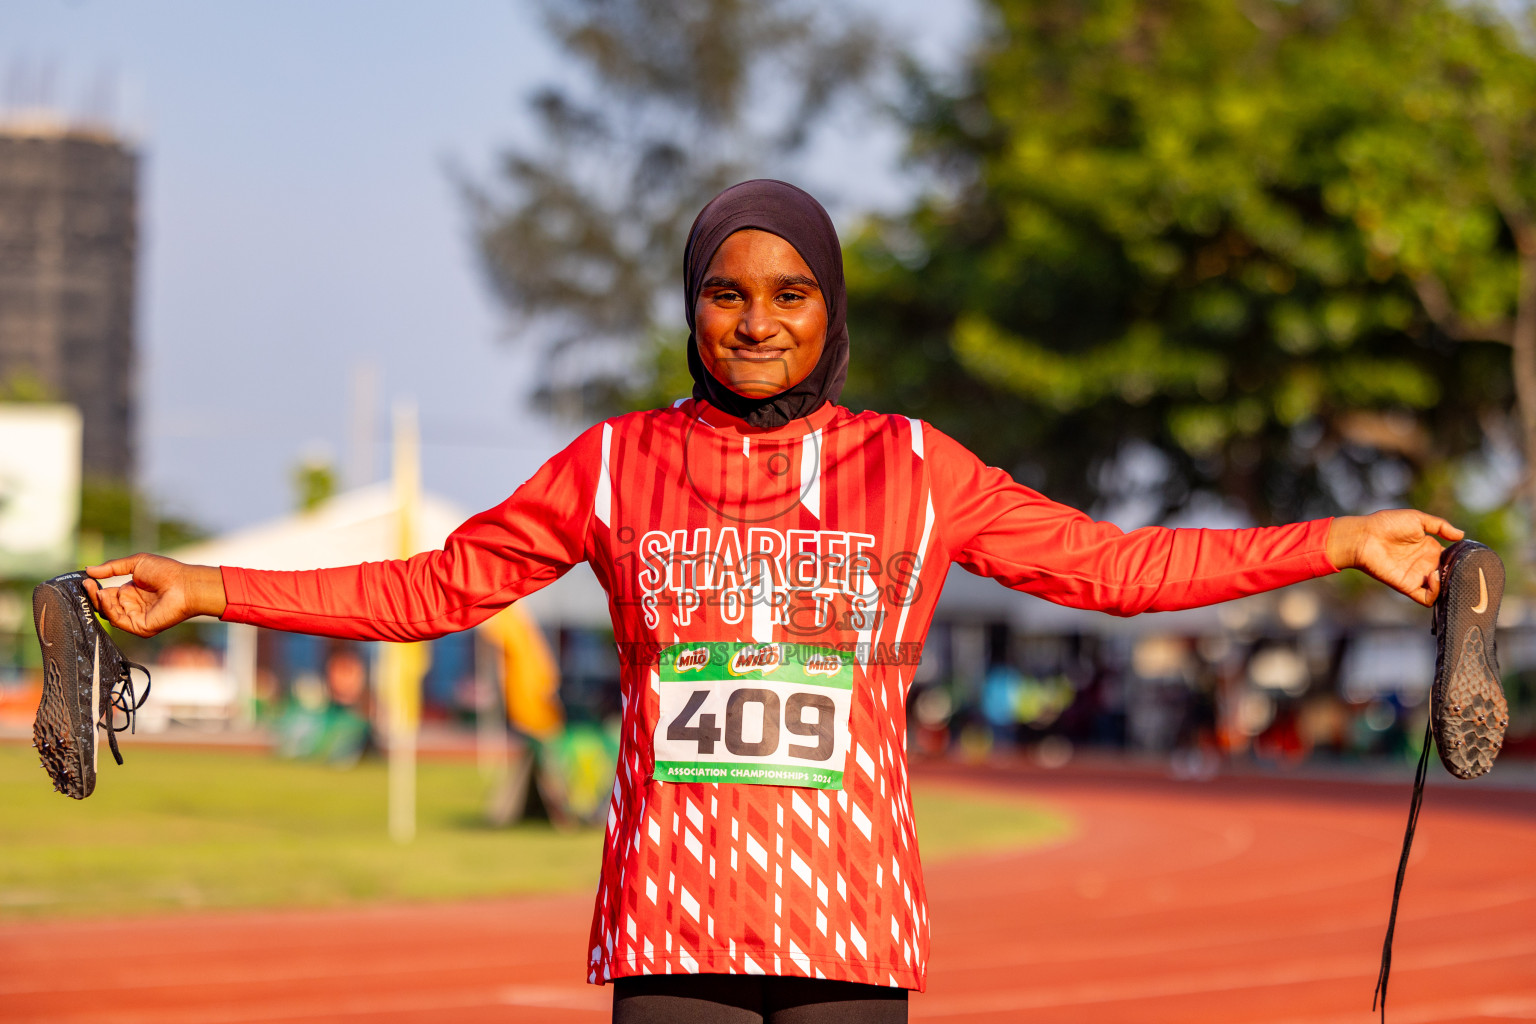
x,y
751,999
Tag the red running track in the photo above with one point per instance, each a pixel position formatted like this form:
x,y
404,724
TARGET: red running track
x,y
1239,901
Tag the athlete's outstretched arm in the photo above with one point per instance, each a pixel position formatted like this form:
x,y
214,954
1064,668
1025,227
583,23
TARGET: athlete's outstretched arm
x,y
500,555
997,527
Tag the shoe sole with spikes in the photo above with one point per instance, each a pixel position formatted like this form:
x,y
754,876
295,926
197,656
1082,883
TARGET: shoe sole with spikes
x,y
1467,706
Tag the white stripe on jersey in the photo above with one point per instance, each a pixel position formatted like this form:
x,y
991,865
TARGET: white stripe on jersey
x,y
602,505
917,436
810,473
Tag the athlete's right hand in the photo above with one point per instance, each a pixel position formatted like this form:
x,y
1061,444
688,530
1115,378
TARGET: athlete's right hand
x,y
162,592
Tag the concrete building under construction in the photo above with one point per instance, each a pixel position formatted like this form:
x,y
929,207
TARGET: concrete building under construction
x,y
68,246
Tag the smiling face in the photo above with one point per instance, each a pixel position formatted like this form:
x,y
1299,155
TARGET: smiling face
x,y
760,321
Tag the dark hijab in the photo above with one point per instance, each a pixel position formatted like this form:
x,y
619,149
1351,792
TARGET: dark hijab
x,y
784,210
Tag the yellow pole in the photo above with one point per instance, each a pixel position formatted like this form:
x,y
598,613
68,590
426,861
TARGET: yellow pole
x,y
401,666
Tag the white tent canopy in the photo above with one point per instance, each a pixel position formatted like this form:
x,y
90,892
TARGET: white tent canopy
x,y
358,526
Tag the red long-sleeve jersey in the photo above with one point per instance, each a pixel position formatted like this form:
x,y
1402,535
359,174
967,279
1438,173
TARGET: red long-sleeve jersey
x,y
770,591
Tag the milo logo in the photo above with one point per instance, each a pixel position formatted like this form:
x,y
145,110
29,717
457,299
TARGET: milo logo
x,y
823,665
692,659
699,661
763,658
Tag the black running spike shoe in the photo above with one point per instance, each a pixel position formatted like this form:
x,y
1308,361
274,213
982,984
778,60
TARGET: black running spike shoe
x,y
1467,705
86,681
1467,710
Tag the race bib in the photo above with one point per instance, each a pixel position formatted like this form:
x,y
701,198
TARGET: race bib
x,y
760,714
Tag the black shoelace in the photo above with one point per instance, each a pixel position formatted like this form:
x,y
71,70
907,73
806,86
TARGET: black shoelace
x,y
1402,869
124,700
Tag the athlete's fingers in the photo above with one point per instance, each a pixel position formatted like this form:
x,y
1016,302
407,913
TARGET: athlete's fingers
x,y
93,590
115,567
1428,590
145,611
107,602
1437,527
1429,568
133,620
1410,568
1413,584
105,599
117,606
1434,526
137,626
1426,568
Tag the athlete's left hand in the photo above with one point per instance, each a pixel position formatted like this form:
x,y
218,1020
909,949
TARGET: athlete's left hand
x,y
1396,546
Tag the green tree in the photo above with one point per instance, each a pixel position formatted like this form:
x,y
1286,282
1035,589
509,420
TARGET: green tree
x,y
23,386
582,234
118,519
1159,243
1445,191
314,483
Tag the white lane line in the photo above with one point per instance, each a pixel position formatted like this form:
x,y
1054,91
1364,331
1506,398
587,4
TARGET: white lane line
x,y
1293,972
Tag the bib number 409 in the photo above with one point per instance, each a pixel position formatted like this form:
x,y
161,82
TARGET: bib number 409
x,y
809,715
753,714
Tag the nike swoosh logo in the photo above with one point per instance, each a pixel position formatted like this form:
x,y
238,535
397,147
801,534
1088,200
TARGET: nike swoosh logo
x,y
96,704
1482,589
42,620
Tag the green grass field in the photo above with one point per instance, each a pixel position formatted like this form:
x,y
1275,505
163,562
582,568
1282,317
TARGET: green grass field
x,y
182,829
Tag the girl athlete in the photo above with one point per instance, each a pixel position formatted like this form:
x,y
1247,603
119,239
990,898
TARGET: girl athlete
x,y
772,561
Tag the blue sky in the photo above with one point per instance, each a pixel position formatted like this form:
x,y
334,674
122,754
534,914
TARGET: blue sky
x,y
298,221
